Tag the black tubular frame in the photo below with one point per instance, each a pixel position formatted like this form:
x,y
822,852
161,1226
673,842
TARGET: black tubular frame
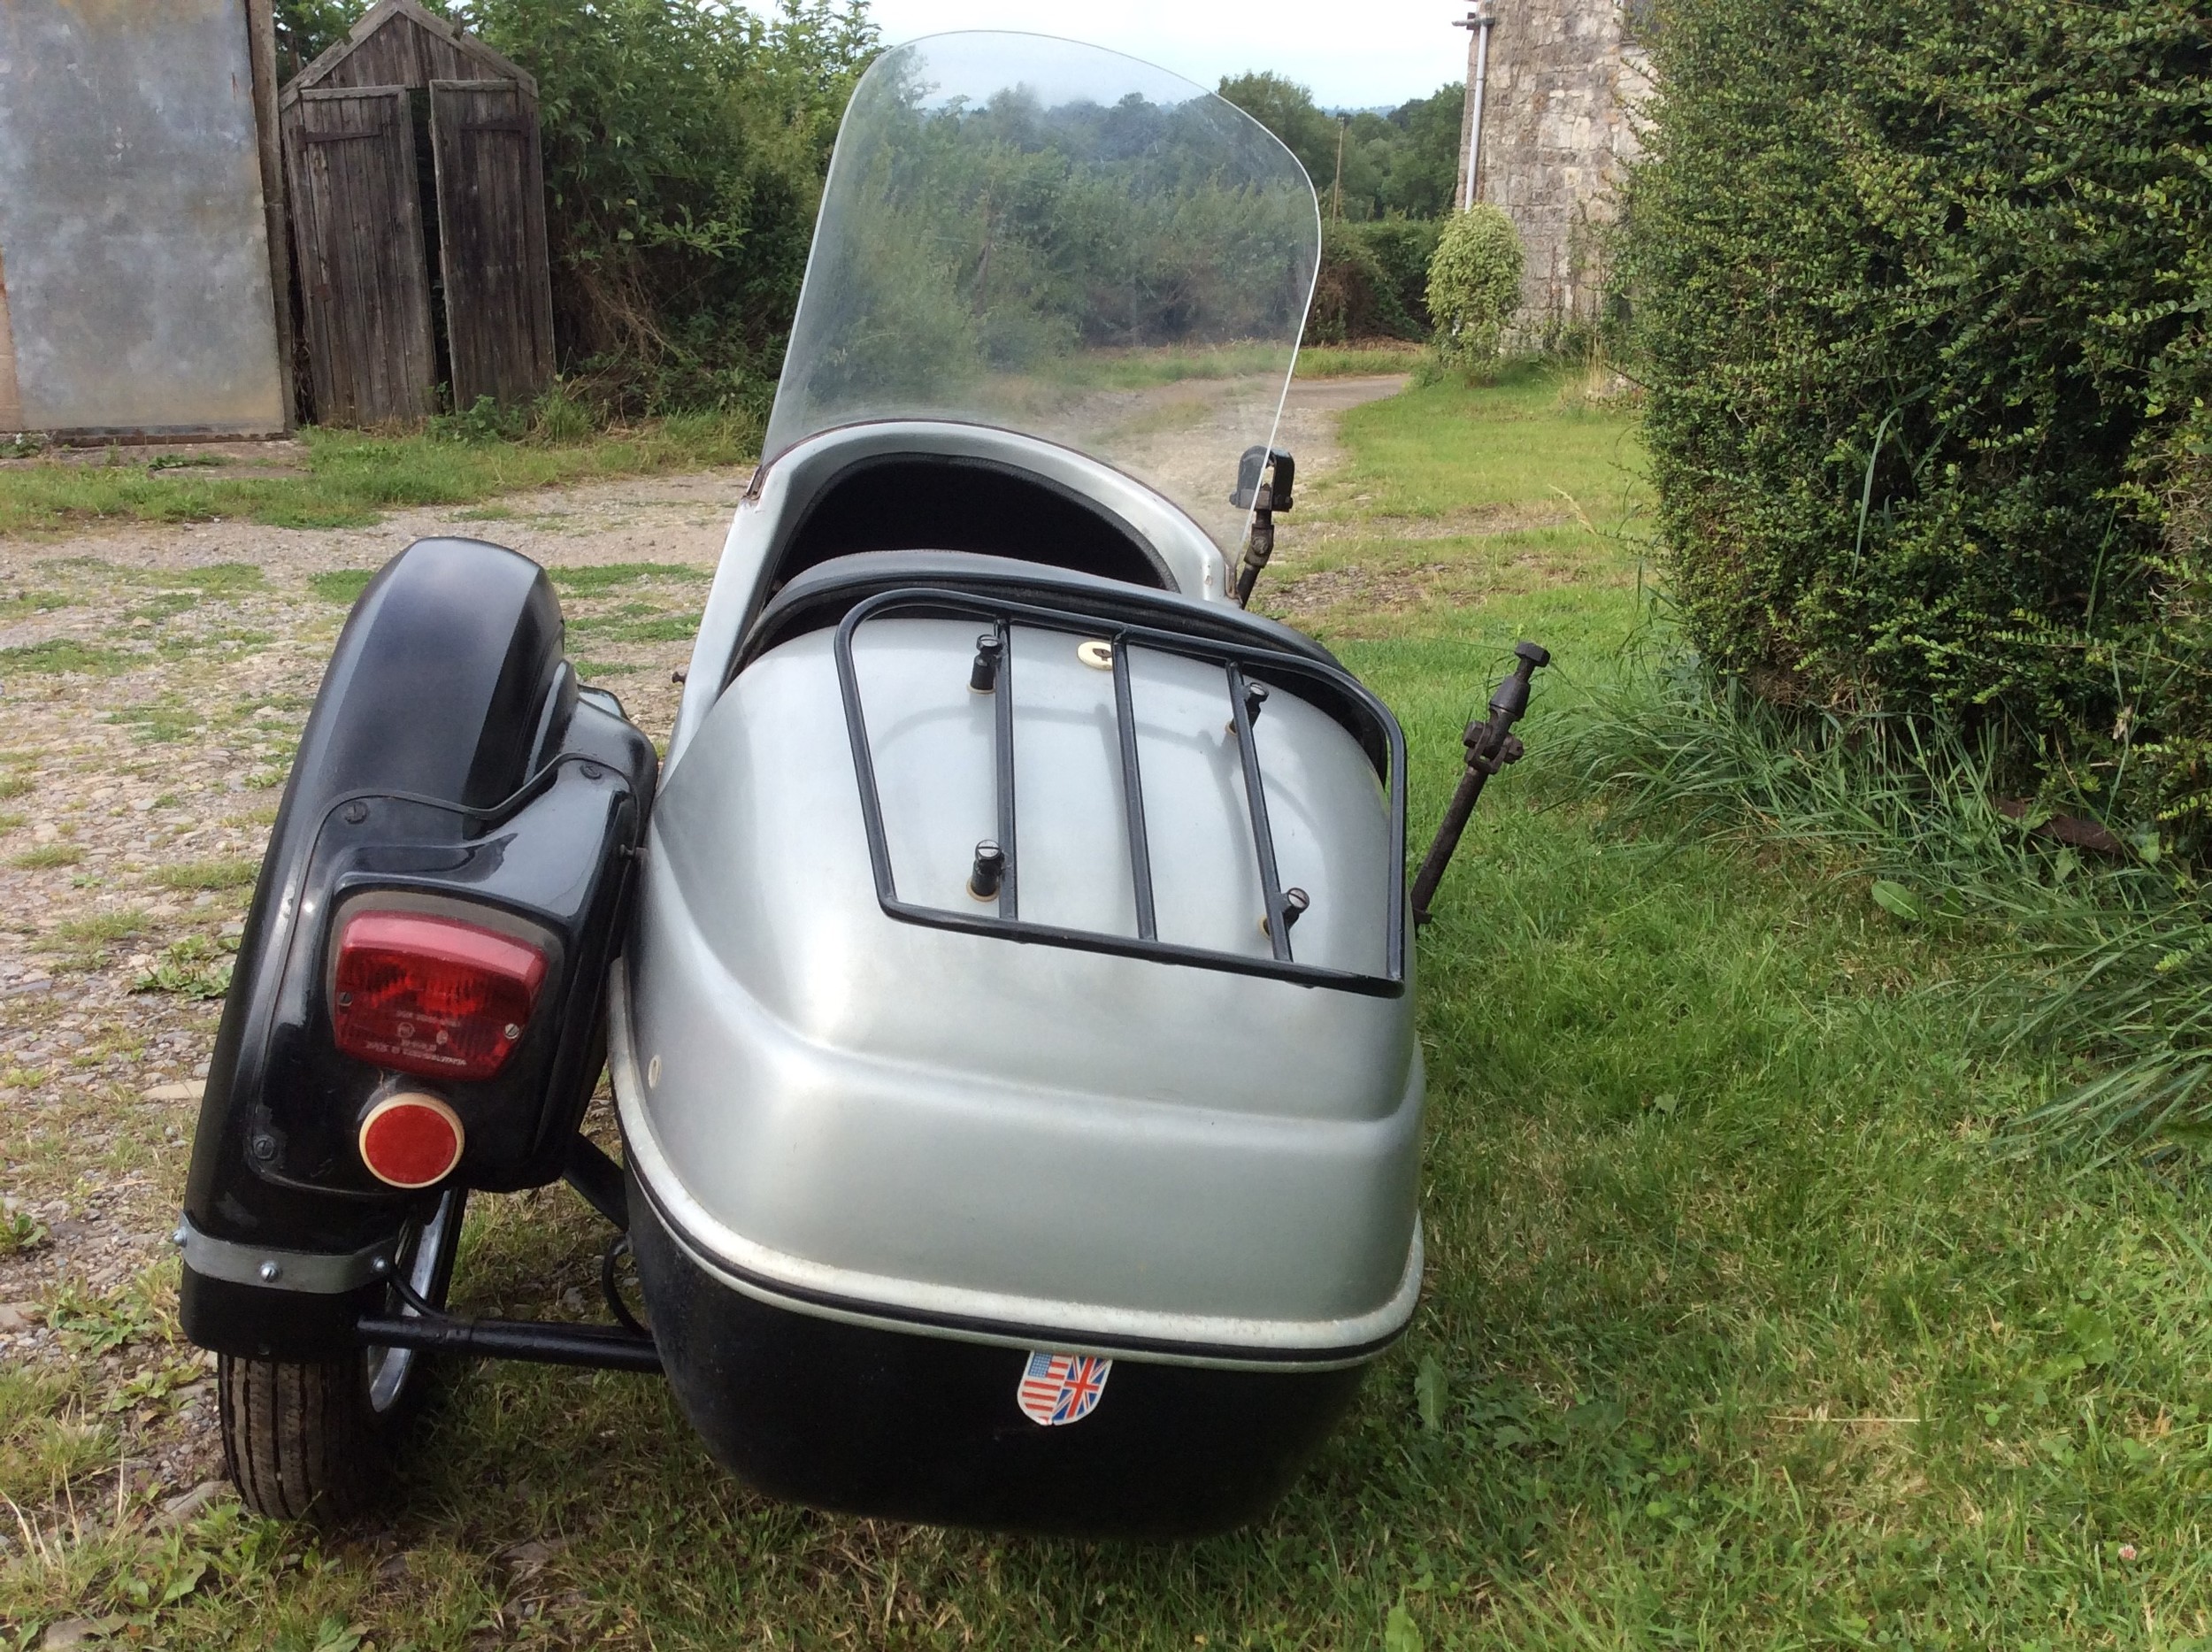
x,y
1240,664
1003,763
536,1341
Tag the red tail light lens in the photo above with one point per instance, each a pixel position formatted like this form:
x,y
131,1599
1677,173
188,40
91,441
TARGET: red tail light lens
x,y
412,1141
432,996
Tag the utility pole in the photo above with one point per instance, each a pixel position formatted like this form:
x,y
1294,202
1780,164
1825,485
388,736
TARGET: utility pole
x,y
1336,202
1479,22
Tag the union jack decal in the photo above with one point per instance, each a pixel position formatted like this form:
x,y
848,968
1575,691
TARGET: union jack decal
x,y
1058,1388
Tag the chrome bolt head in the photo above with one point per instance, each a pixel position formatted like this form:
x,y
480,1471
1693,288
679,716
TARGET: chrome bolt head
x,y
271,1273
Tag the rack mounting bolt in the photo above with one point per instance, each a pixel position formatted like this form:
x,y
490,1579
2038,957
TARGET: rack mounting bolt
x,y
990,648
1295,901
989,871
1255,701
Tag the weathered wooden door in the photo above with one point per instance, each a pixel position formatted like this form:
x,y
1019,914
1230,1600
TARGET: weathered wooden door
x,y
365,280
491,232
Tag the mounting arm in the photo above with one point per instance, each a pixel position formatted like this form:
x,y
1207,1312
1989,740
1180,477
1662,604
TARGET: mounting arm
x,y
1262,499
1491,745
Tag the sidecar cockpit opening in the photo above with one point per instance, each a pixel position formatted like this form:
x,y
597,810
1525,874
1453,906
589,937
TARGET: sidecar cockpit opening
x,y
960,501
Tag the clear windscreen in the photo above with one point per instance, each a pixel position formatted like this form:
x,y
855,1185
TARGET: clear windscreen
x,y
1049,238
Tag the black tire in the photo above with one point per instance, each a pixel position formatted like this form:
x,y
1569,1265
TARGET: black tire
x,y
314,1439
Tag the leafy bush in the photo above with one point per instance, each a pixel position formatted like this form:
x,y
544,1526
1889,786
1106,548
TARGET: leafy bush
x,y
1373,282
684,147
1474,284
1919,293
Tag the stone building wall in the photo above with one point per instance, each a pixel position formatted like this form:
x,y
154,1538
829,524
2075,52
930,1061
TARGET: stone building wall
x,y
1559,127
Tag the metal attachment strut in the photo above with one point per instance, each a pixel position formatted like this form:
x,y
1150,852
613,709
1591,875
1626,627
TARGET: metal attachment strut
x,y
1262,499
1491,745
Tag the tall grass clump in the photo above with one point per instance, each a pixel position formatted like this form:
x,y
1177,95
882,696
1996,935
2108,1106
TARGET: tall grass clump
x,y
2082,945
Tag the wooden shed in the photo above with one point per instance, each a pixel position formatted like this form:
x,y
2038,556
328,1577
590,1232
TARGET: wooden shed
x,y
356,123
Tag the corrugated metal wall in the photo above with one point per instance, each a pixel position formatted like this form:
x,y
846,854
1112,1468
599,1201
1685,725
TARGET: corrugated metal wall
x,y
133,237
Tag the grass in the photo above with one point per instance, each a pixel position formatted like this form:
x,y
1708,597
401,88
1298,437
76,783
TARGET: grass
x,y
1451,503
62,655
195,967
49,855
2100,957
208,874
160,723
1352,361
598,580
353,478
343,586
1739,1329
101,926
1442,450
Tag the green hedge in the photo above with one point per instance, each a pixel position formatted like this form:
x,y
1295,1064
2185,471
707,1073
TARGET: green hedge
x,y
1919,293
1373,281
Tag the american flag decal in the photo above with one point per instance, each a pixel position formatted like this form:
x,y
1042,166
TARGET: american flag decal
x,y
1062,1388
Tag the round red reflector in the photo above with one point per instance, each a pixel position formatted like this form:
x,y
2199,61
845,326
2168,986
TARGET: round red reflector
x,y
410,1139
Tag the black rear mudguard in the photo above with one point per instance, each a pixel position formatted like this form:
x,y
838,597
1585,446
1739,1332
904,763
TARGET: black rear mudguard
x,y
450,756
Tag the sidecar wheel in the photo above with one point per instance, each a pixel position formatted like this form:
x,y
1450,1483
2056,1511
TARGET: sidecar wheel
x,y
298,1437
313,1439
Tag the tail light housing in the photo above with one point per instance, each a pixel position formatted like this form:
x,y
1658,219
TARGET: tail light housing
x,y
421,993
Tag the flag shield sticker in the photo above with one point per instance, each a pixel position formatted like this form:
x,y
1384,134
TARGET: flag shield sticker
x,y
1058,1388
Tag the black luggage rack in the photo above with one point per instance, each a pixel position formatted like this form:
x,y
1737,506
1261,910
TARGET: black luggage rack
x,y
1243,668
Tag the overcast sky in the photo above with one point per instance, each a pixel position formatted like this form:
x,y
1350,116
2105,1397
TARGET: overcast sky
x,y
1353,53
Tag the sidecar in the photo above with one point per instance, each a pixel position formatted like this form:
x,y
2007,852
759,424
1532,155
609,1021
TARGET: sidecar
x,y
1004,979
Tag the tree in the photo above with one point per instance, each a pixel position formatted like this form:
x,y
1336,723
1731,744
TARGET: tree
x,y
1422,172
305,28
1287,108
1404,164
